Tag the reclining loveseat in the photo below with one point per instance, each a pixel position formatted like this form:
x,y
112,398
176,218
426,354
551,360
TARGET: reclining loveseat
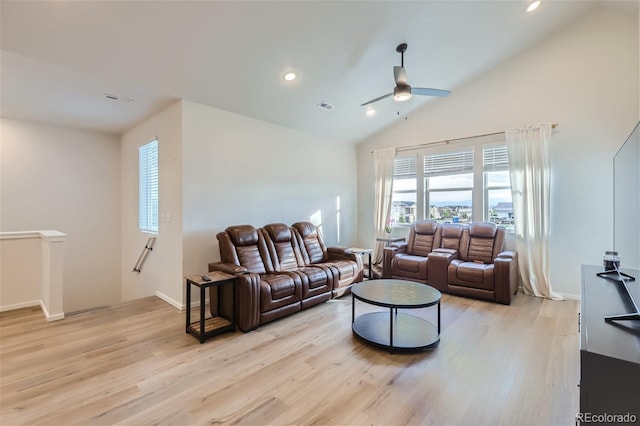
x,y
281,270
468,260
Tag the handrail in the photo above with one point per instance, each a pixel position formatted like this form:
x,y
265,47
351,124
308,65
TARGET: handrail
x,y
147,248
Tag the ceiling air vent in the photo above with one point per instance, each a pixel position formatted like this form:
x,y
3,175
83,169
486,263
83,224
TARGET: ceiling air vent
x,y
118,98
325,106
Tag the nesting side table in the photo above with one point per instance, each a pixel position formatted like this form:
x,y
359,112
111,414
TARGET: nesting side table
x,y
205,328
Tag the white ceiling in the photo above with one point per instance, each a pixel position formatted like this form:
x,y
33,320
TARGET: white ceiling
x,y
59,58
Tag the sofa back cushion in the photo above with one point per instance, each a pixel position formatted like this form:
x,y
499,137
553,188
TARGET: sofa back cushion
x,y
450,235
485,241
284,249
312,246
423,237
243,245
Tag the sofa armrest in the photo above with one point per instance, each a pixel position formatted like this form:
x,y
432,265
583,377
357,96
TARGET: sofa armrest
x,y
451,252
229,268
438,261
387,254
506,276
343,253
508,254
247,297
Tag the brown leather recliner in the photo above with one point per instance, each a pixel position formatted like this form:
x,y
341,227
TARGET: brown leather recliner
x,y
409,260
287,257
482,269
280,270
263,294
346,268
463,259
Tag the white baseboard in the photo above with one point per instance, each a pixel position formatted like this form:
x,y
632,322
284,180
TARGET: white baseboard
x,y
570,296
175,304
170,301
20,305
48,317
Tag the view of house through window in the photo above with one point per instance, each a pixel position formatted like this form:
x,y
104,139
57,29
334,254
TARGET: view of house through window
x,y
148,187
458,186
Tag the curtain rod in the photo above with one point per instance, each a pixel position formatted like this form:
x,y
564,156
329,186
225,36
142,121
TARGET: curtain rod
x,y
448,141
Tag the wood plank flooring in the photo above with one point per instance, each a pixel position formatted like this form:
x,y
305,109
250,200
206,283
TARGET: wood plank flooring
x,y
134,364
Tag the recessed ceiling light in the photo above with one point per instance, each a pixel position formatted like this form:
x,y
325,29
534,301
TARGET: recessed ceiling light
x,y
290,76
370,112
533,5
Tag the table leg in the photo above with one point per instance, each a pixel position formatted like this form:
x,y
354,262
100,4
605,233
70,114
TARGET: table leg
x,y
353,309
438,317
391,329
188,306
202,299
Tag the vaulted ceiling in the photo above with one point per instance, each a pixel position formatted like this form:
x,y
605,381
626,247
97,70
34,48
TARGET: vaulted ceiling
x,y
59,58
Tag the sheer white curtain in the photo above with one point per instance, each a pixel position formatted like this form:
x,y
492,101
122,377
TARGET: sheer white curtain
x,y
383,168
530,179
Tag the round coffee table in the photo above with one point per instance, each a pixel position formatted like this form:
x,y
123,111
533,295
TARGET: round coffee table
x,y
395,331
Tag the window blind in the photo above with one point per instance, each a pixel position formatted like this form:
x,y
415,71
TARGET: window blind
x,y
448,163
495,158
148,188
404,168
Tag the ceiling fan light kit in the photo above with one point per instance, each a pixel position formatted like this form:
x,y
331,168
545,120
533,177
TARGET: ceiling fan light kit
x,y
402,92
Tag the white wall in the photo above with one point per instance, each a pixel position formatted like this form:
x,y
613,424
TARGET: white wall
x,y
238,170
585,78
69,180
219,169
162,271
20,272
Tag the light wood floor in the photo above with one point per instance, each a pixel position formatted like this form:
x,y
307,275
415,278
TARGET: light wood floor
x,y
133,364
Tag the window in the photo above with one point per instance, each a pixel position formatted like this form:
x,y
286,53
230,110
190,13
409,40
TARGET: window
x,y
403,199
449,186
470,183
498,207
148,187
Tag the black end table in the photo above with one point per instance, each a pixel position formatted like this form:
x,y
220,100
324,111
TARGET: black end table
x,y
205,328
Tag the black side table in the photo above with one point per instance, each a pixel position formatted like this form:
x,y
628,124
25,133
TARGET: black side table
x,y
205,328
362,251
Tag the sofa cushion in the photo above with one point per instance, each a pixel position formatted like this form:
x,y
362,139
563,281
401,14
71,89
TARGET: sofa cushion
x,y
311,244
243,235
409,267
423,237
482,237
471,274
451,235
277,290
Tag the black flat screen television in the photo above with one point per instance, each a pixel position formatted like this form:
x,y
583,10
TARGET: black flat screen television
x,y
626,222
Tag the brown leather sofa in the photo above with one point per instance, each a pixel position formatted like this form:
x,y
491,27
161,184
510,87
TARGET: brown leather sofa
x,y
468,260
281,270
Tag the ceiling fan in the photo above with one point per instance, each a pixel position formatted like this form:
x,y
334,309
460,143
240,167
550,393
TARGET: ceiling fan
x,y
402,92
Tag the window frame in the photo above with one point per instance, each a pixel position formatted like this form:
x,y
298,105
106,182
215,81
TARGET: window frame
x,y
149,187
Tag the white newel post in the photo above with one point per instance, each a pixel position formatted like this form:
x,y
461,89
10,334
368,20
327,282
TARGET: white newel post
x,y
52,274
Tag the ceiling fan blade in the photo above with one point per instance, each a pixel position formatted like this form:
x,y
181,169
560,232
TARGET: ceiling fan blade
x,y
400,75
377,99
423,91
